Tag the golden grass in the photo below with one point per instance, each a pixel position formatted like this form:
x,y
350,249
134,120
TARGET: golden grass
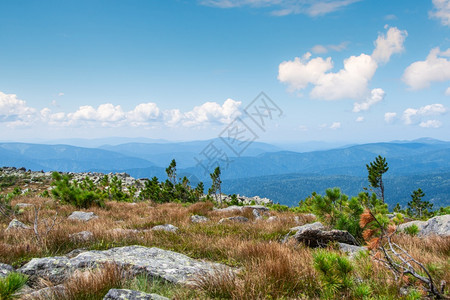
x,y
268,269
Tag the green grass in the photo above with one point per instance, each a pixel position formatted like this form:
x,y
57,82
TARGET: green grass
x,y
11,284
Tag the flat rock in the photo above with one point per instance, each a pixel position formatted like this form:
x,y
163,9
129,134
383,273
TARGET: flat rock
x,y
166,227
5,270
120,294
238,219
16,224
82,216
199,219
54,292
23,205
153,262
232,208
351,250
320,238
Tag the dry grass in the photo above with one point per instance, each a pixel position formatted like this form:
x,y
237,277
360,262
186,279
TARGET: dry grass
x,y
268,269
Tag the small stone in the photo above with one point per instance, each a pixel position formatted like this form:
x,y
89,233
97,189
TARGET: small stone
x,y
166,227
238,219
16,224
351,250
199,219
119,294
82,216
23,205
272,219
83,236
5,270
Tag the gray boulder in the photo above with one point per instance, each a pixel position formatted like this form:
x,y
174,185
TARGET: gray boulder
x,y
166,227
232,208
16,224
199,219
53,293
320,238
257,214
272,219
300,229
5,270
23,205
238,219
439,226
351,250
82,216
153,262
120,294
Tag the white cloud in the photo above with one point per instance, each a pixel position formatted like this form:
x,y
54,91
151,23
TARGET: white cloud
x,y
447,92
390,117
431,124
106,114
321,49
285,7
414,116
441,11
376,95
351,82
388,44
436,67
390,17
335,125
143,113
359,119
15,112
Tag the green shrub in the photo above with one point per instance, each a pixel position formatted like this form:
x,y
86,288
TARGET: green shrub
x,y
11,284
412,230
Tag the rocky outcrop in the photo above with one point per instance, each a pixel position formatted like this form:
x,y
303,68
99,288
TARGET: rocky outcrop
x,y
320,238
439,226
82,216
248,200
120,294
5,270
165,227
16,224
236,208
54,292
300,229
153,262
199,219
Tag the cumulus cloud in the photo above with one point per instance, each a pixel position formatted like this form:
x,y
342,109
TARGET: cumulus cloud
x,y
351,82
436,67
285,7
388,44
431,124
390,117
143,113
441,11
335,125
414,116
359,119
15,112
106,114
376,95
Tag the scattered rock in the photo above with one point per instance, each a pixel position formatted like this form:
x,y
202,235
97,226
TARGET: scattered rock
x,y
439,225
166,227
83,236
256,214
238,219
272,219
23,205
5,270
16,224
120,294
232,208
123,231
320,238
199,219
153,262
82,216
351,250
300,229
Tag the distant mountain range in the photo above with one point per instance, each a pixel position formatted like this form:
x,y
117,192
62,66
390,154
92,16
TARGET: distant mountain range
x,y
262,169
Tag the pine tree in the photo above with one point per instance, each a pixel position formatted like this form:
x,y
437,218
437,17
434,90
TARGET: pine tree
x,y
376,170
216,185
418,207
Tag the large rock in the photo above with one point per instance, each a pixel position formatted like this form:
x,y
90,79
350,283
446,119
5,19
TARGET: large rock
x,y
16,224
83,236
153,262
120,294
300,229
82,216
54,292
5,270
351,250
439,225
320,238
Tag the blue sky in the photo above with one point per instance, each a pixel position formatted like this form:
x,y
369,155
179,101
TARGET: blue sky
x,y
340,70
